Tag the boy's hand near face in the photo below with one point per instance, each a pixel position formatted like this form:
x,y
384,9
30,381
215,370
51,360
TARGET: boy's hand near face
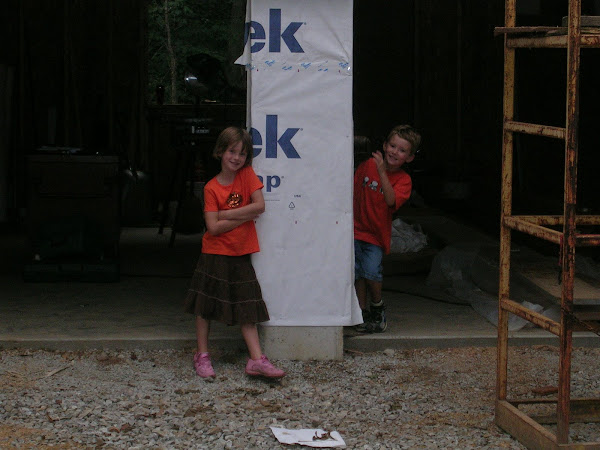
x,y
379,161
386,187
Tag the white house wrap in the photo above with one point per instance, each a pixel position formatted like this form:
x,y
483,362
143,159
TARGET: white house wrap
x,y
299,60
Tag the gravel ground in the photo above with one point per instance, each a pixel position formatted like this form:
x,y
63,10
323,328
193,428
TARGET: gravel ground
x,y
425,398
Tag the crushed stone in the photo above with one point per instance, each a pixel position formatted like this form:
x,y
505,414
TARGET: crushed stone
x,y
395,399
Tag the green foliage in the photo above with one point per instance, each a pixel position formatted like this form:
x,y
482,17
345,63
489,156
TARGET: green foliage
x,y
196,26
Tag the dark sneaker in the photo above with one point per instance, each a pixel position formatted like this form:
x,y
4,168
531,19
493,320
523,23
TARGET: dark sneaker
x,y
363,327
378,323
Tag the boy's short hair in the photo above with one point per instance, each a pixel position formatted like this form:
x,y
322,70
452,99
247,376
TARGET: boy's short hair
x,y
407,133
233,135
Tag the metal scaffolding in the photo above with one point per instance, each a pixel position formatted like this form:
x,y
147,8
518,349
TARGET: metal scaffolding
x,y
560,230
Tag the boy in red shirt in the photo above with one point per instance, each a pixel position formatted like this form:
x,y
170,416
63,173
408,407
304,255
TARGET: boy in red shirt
x,y
381,186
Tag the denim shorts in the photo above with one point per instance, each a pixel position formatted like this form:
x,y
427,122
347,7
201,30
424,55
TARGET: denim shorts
x,y
367,261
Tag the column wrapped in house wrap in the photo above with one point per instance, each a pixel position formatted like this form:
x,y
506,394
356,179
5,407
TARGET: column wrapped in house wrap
x,y
298,55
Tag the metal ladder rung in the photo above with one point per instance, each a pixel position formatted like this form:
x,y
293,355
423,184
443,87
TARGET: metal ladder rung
x,y
535,129
531,316
527,30
524,226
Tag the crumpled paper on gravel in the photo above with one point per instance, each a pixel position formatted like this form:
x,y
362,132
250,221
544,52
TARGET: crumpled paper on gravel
x,y
309,437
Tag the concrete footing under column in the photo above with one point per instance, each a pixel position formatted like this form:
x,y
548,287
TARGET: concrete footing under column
x,y
303,343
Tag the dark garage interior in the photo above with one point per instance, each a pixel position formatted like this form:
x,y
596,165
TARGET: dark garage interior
x,y
74,78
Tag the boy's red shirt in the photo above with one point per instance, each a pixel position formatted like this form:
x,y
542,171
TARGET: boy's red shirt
x,y
372,216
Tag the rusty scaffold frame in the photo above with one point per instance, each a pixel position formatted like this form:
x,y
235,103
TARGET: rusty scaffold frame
x,y
510,413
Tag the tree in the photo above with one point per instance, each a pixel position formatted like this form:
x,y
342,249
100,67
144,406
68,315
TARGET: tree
x,y
178,29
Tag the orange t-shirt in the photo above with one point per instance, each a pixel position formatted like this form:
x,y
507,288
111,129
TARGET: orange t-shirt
x,y
243,239
372,215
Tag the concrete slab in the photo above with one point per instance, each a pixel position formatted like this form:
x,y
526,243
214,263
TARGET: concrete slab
x,y
144,309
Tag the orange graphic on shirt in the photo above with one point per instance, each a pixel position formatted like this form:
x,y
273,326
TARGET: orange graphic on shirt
x,y
234,200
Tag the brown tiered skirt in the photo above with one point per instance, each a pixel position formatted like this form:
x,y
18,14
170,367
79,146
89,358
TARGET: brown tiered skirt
x,y
225,288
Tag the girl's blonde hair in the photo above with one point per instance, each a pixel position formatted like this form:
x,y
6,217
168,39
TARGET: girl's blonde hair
x,y
230,136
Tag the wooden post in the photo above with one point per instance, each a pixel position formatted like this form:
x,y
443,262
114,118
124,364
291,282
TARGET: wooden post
x,y
505,234
569,238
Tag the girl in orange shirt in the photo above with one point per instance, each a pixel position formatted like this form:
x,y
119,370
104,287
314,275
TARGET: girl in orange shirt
x,y
224,285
